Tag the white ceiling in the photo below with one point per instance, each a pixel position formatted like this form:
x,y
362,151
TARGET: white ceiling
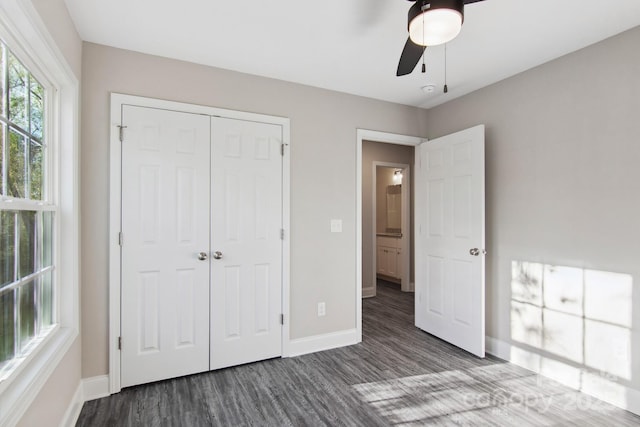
x,y
353,46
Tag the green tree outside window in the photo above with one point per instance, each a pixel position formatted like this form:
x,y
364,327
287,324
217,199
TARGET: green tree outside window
x,y
26,235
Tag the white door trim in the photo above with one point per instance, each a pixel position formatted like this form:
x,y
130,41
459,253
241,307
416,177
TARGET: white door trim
x,y
375,136
115,193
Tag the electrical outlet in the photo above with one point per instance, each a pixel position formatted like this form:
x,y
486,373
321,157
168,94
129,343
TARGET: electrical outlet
x,y
336,226
321,309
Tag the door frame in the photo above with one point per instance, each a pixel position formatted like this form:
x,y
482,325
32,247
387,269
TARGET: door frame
x,y
405,222
373,136
115,208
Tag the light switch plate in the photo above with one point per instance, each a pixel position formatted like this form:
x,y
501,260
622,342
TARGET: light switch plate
x,y
322,309
336,226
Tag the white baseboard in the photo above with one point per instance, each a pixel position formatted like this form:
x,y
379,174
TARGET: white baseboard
x,y
88,389
322,342
95,387
598,386
410,288
368,292
73,411
498,348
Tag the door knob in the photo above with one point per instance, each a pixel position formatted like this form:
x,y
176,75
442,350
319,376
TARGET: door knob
x,y
217,255
202,256
476,251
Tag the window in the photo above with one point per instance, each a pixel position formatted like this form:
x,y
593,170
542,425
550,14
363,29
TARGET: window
x,y
27,282
39,212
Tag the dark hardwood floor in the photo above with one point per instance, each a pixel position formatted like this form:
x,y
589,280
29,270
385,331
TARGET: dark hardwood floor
x,y
398,375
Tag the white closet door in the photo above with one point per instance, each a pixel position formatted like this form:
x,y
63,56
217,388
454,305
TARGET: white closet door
x,y
246,222
165,225
450,294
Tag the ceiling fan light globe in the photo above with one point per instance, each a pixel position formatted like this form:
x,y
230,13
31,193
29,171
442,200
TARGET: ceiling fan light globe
x,y
440,26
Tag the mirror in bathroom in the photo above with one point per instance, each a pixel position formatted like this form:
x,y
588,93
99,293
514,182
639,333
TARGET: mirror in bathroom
x,y
394,208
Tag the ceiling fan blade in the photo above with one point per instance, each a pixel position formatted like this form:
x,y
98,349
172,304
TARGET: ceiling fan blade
x,y
411,54
471,1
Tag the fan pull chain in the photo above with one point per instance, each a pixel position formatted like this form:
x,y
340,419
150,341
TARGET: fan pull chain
x,y
424,67
446,88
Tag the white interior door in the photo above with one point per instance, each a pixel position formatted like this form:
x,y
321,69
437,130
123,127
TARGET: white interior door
x,y
165,225
450,293
246,215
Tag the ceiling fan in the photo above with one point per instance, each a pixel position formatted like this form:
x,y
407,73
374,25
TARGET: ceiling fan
x,y
431,22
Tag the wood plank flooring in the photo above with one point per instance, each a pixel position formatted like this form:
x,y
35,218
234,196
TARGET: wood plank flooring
x,y
398,375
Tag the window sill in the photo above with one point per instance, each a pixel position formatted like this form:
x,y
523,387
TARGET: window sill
x,y
19,390
15,365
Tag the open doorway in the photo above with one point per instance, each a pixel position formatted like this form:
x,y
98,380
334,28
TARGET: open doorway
x,y
392,258
387,217
381,157
448,235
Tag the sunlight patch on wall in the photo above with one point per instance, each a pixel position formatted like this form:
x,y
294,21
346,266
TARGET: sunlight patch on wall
x,y
582,316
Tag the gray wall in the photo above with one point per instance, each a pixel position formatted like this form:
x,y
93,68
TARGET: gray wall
x,y
323,157
562,172
56,18
52,401
378,152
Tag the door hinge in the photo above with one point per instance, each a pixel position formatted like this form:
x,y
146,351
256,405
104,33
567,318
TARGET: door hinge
x,y
282,319
119,343
282,150
120,238
121,129
282,234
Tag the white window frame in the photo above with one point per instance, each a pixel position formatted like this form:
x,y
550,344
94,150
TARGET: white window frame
x,y
26,35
